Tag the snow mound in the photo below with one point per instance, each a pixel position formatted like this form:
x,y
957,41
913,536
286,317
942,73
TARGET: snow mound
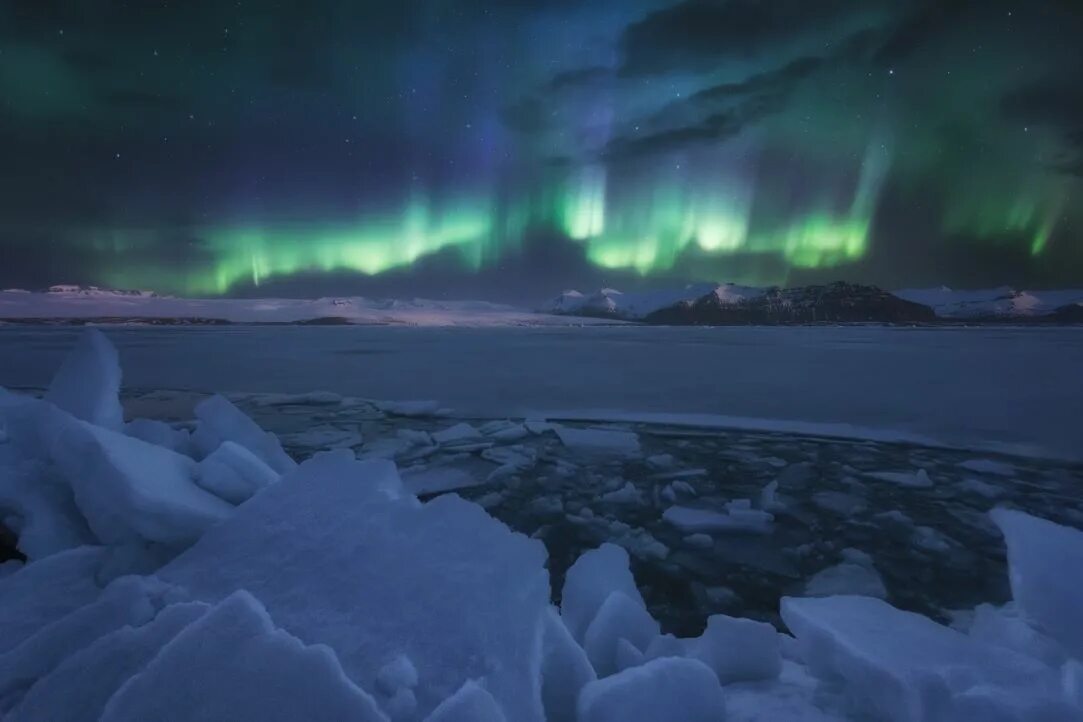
x,y
87,385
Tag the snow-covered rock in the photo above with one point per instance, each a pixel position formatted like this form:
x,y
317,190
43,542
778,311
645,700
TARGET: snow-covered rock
x,y
220,420
87,385
662,690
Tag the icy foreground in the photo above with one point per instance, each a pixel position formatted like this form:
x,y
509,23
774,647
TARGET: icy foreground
x,y
206,576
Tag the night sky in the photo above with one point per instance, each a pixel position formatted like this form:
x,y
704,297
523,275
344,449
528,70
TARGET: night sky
x,y
509,149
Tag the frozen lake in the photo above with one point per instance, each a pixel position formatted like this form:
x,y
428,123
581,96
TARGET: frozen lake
x,y
1017,390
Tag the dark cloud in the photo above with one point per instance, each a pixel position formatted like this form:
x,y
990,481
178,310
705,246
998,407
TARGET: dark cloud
x,y
1055,102
579,77
774,81
716,113
916,29
714,128
698,34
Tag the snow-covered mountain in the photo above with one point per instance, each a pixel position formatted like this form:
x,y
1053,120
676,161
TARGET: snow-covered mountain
x,y
91,304
611,303
992,303
732,303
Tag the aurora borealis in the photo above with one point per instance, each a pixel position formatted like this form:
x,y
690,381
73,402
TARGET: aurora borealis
x,y
495,150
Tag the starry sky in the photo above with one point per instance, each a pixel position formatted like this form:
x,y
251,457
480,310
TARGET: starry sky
x,y
508,149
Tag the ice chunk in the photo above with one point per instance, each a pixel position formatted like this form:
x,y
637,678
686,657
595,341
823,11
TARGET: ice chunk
x,y
738,650
397,674
127,601
916,479
87,385
79,688
457,434
979,487
43,510
234,473
1005,627
901,665
220,420
988,466
410,408
661,690
471,703
130,490
769,500
846,578
270,675
735,519
43,592
538,427
599,442
324,436
661,461
1044,562
627,494
160,433
699,540
374,575
618,618
565,670
590,580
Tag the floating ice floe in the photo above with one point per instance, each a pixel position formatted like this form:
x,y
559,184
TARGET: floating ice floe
x,y
332,592
916,479
599,442
738,517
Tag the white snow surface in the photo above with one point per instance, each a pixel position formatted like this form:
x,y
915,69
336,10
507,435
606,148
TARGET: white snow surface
x,y
333,593
1001,301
